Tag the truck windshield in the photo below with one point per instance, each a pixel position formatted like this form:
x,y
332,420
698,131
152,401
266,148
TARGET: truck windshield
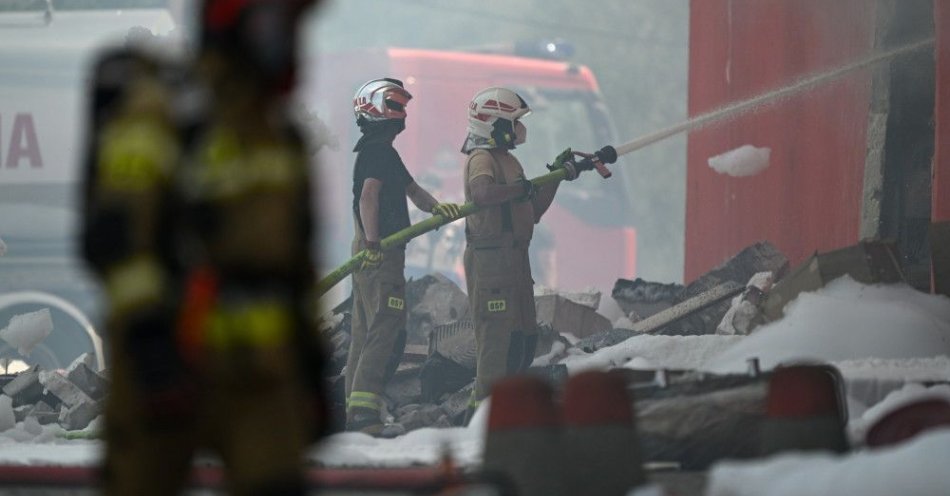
x,y
576,119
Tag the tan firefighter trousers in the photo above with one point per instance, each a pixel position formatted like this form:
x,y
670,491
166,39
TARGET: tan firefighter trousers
x,y
378,328
501,299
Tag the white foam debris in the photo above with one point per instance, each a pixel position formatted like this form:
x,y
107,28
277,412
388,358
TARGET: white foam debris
x,y
27,330
747,160
3,248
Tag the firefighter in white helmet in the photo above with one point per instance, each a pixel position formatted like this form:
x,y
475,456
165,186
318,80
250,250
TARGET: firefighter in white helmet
x,y
497,270
381,184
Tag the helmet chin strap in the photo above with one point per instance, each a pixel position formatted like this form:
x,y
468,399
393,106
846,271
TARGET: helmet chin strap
x,y
503,134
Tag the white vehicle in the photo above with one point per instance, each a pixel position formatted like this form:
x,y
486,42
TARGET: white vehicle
x,y
45,55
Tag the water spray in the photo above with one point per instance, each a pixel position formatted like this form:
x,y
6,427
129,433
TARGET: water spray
x,y
734,160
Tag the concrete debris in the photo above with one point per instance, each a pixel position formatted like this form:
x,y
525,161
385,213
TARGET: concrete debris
x,y
455,342
79,416
22,412
25,388
406,386
697,307
456,404
567,317
760,257
589,298
869,262
7,416
44,413
433,300
745,314
418,416
85,378
440,376
604,339
640,299
60,387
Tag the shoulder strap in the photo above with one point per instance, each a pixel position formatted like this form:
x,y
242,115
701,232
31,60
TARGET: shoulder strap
x,y
499,175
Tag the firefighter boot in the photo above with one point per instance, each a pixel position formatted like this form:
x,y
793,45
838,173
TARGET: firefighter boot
x,y
367,421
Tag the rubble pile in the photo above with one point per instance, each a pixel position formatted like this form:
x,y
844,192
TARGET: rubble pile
x,y
642,300
72,398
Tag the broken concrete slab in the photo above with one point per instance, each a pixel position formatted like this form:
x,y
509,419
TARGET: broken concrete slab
x,y
456,404
79,416
86,379
454,341
44,413
433,300
868,262
672,316
60,387
25,388
640,299
589,298
568,317
759,257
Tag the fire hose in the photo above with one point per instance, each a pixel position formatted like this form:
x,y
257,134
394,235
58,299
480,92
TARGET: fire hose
x,y
606,155
609,154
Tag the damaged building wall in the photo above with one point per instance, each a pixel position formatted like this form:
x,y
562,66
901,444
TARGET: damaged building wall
x,y
810,196
897,183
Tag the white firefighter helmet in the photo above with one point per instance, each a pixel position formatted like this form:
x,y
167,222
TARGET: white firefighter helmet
x,y
492,115
381,99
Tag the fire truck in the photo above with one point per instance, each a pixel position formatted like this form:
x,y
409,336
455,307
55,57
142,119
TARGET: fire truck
x,y
581,242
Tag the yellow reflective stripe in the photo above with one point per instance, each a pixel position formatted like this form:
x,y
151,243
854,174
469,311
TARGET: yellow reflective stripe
x,y
363,404
227,170
135,154
365,395
263,325
136,281
363,399
472,402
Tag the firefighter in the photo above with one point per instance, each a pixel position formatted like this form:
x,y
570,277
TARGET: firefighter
x,y
497,269
133,149
381,185
216,351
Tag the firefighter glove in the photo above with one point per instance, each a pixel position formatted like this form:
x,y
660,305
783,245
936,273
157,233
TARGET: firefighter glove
x,y
447,210
529,190
565,160
372,256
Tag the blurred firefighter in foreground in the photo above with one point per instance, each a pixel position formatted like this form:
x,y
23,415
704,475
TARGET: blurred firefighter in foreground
x,y
381,184
199,223
497,269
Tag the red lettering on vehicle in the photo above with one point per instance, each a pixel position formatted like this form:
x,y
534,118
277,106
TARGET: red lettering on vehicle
x,y
23,142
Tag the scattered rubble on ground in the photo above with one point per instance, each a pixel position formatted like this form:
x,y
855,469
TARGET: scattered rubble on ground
x,y
72,398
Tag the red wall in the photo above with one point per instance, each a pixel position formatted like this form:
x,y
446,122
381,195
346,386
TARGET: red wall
x,y
941,191
810,196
